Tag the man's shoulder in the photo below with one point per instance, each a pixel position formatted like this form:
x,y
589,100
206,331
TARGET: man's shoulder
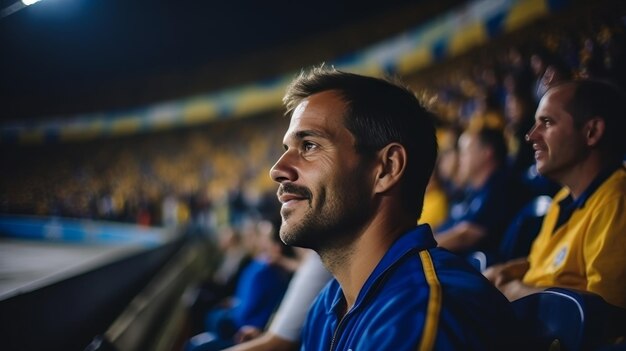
x,y
612,192
616,183
428,287
437,269
455,272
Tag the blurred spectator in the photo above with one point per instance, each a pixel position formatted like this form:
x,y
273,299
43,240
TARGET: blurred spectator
x,y
259,290
286,327
234,259
476,223
519,112
448,163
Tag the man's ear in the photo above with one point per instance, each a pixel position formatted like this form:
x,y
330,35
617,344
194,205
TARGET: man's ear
x,y
392,162
595,130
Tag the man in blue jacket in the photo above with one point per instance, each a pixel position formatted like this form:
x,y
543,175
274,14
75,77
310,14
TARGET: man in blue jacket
x,y
358,154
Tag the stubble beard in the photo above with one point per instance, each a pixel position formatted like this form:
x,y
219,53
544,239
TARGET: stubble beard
x,y
331,224
558,170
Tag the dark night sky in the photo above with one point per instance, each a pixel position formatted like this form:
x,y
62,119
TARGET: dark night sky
x,y
59,51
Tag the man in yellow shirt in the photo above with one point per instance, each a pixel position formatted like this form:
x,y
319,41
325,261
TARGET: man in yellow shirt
x,y
579,141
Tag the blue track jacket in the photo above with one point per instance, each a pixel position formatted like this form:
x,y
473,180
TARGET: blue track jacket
x,y
419,297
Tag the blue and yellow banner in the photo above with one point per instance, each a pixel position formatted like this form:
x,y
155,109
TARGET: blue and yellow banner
x,y
441,38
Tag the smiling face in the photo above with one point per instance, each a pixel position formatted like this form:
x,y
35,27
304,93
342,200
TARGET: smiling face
x,y
559,145
324,188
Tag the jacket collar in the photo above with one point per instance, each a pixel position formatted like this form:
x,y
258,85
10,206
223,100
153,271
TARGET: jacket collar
x,y
418,239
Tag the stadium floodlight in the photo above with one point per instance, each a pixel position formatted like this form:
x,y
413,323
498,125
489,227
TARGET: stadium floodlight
x,y
16,6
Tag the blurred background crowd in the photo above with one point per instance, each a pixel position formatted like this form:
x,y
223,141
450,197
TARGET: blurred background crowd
x,y
215,174
208,176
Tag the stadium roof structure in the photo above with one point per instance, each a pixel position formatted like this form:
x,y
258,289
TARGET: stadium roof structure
x,y
184,66
71,56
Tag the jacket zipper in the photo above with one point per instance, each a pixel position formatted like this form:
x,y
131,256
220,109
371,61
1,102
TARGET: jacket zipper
x,y
377,283
332,342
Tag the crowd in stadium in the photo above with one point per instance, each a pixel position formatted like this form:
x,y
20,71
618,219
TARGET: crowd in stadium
x,y
215,179
208,175
130,179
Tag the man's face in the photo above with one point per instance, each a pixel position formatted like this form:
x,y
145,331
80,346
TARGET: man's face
x,y
472,156
323,181
559,145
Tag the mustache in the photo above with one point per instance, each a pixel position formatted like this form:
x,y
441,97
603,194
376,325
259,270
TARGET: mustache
x,y
290,188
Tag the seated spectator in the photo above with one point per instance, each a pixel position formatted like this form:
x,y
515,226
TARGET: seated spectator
x,y
446,167
579,142
476,223
259,291
222,284
359,152
284,331
520,116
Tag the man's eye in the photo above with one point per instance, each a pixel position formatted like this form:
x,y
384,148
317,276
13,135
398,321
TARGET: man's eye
x,y
308,146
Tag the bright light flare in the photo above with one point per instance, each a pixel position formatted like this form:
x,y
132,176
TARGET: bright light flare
x,y
29,2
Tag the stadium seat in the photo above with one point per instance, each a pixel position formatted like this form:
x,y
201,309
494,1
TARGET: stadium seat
x,y
518,237
523,229
568,320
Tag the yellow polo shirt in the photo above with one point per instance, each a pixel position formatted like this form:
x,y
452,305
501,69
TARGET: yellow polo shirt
x,y
588,251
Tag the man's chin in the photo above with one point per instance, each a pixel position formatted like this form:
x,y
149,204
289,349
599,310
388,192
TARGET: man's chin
x,y
292,241
286,233
292,237
549,173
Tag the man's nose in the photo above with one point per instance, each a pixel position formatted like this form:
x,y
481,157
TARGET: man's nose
x,y
283,169
530,133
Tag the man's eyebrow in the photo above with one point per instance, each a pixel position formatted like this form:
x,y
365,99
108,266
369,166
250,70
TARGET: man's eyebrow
x,y
299,135
310,133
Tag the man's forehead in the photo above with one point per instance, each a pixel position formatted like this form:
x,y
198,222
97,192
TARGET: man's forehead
x,y
560,94
324,109
300,108
328,99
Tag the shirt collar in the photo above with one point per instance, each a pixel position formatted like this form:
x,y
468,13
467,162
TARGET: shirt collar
x,y
568,205
593,186
417,239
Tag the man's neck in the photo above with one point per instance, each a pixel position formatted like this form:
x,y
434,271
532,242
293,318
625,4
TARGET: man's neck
x,y
352,270
579,177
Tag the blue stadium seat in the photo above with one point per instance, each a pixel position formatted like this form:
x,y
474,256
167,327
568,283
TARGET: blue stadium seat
x,y
523,229
519,235
568,320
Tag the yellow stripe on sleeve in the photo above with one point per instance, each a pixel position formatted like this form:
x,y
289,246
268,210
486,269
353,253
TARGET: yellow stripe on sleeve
x,y
434,304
